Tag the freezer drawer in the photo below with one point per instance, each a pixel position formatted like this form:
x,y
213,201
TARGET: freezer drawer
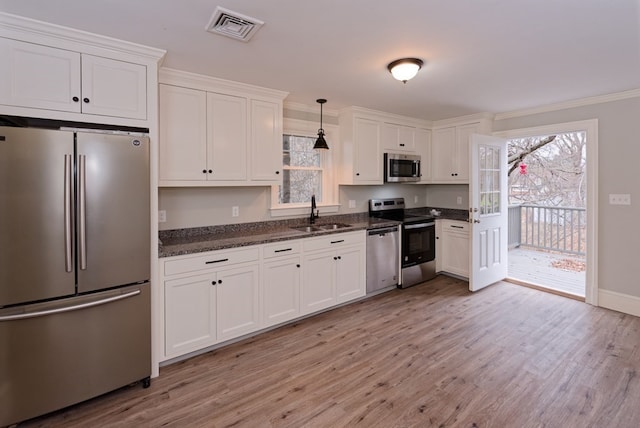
x,y
48,362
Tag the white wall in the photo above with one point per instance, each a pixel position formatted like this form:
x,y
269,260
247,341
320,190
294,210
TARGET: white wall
x,y
210,206
619,151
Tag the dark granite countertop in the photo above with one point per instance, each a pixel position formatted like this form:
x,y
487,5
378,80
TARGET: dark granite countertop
x,y
177,242
200,239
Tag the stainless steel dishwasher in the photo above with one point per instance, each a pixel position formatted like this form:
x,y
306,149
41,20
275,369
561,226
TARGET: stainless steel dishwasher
x,y
383,258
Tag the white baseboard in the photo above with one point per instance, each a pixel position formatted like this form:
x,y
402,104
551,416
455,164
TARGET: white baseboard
x,y
619,302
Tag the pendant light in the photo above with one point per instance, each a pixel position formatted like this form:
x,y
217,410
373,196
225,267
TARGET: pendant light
x,y
405,69
321,142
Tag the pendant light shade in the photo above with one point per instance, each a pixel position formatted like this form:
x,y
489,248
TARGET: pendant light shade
x,y
321,143
405,69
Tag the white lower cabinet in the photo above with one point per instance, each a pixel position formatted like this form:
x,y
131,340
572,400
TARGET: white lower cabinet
x,y
350,274
333,270
237,302
318,284
216,296
190,314
452,249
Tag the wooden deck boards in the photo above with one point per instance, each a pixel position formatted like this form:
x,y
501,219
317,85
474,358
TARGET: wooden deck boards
x,y
535,267
433,355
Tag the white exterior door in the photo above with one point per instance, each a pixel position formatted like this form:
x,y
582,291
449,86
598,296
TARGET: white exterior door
x,y
488,211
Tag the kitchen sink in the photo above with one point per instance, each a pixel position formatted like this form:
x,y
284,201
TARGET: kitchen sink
x,y
333,226
307,228
321,227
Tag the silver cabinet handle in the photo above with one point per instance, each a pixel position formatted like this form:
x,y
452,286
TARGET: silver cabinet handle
x,y
82,211
68,263
69,308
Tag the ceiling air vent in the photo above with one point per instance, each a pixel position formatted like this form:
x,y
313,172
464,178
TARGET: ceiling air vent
x,y
233,24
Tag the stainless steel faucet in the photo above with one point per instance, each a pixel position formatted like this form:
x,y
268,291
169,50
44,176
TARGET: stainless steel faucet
x,y
313,216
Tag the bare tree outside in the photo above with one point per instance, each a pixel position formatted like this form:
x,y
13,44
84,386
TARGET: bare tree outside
x,y
548,170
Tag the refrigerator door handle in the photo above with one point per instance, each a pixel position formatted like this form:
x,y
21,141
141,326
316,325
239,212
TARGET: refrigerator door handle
x,y
82,211
69,308
68,262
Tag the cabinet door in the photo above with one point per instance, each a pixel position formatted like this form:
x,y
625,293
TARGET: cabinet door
x,y
238,302
423,148
368,161
350,276
443,151
39,77
455,248
190,314
281,290
266,141
227,137
463,141
113,88
318,281
183,133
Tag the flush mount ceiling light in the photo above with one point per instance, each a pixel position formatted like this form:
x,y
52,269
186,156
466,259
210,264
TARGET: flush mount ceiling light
x,y
405,69
321,142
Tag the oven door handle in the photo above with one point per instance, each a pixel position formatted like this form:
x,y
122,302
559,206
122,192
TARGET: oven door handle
x,y
418,226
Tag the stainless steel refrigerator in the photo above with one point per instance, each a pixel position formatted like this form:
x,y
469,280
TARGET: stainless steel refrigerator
x,y
74,267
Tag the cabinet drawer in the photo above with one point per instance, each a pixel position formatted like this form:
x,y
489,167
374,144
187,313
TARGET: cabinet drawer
x,y
284,248
334,241
210,260
455,226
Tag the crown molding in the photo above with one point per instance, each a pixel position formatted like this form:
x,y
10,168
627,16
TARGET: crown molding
x,y
188,79
305,108
31,30
599,99
384,116
476,117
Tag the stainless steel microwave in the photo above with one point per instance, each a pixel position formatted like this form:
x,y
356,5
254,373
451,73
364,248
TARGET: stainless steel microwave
x,y
401,168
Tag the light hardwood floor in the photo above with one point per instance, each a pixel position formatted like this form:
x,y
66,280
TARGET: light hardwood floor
x,y
431,355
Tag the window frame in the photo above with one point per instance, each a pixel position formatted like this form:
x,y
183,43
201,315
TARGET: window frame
x,y
329,203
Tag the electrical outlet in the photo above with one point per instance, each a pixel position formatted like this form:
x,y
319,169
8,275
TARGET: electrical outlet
x,y
235,211
459,200
162,216
619,199
352,203
415,199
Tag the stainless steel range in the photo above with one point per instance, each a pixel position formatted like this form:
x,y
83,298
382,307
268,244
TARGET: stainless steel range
x,y
418,237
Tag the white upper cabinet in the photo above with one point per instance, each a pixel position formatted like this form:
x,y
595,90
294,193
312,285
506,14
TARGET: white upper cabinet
x,y
226,137
361,161
183,129
423,148
39,76
232,138
48,78
266,141
113,88
450,148
398,138
367,134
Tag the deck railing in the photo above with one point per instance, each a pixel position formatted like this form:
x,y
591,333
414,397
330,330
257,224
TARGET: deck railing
x,y
560,229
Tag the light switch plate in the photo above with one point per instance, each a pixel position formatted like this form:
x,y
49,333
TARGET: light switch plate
x,y
619,199
459,200
162,216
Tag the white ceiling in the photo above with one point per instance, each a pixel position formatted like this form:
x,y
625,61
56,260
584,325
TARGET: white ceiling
x,y
481,55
